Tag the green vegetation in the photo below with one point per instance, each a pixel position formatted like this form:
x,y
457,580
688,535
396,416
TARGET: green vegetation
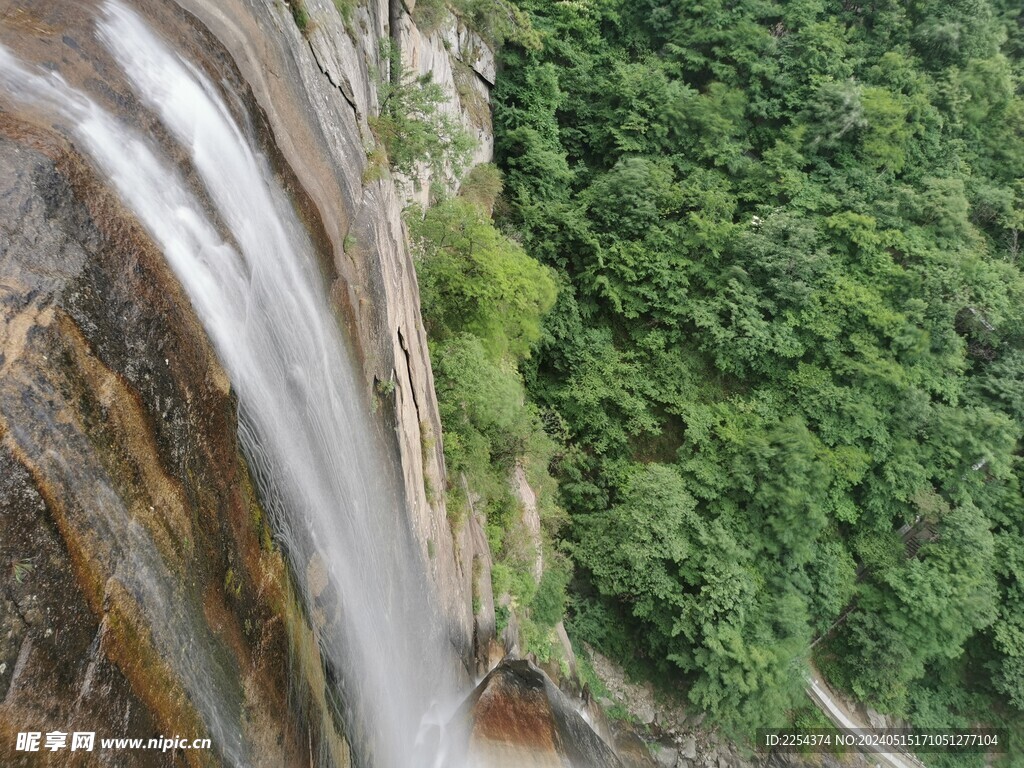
x,y
790,321
483,299
496,21
345,8
305,23
429,14
386,387
300,15
20,569
411,126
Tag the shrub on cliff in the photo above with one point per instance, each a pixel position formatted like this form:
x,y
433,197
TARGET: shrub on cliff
x,y
475,280
482,299
412,125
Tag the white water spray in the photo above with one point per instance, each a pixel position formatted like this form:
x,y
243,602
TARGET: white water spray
x,y
323,471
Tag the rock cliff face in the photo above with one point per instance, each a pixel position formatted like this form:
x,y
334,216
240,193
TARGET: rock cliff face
x,y
318,90
129,528
128,519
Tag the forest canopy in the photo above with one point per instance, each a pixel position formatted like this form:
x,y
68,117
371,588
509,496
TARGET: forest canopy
x,y
787,352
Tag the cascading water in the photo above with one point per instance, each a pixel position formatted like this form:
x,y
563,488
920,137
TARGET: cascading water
x,y
234,241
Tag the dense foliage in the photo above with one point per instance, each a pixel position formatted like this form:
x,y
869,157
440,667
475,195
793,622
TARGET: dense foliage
x,y
788,355
483,298
496,21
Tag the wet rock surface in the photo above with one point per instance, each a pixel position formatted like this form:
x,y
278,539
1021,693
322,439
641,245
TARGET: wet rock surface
x,y
121,483
519,718
56,656
106,368
45,623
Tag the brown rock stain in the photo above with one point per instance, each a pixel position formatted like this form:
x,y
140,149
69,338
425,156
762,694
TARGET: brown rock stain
x,y
515,717
159,501
126,640
183,479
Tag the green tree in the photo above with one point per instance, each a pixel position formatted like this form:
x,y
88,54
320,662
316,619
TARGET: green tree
x,y
413,128
787,241
473,279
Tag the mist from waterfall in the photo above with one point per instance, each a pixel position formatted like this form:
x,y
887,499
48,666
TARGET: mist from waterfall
x,y
325,475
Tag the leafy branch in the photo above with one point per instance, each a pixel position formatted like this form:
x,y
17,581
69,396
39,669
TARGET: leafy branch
x,y
21,568
412,125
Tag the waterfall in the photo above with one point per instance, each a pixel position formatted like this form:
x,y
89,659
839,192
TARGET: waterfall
x,y
326,478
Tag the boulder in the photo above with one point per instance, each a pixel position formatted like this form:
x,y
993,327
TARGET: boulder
x,y
518,718
689,748
631,749
645,712
667,757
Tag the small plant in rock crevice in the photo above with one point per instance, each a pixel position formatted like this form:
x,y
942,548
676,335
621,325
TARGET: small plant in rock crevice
x,y
21,568
300,15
